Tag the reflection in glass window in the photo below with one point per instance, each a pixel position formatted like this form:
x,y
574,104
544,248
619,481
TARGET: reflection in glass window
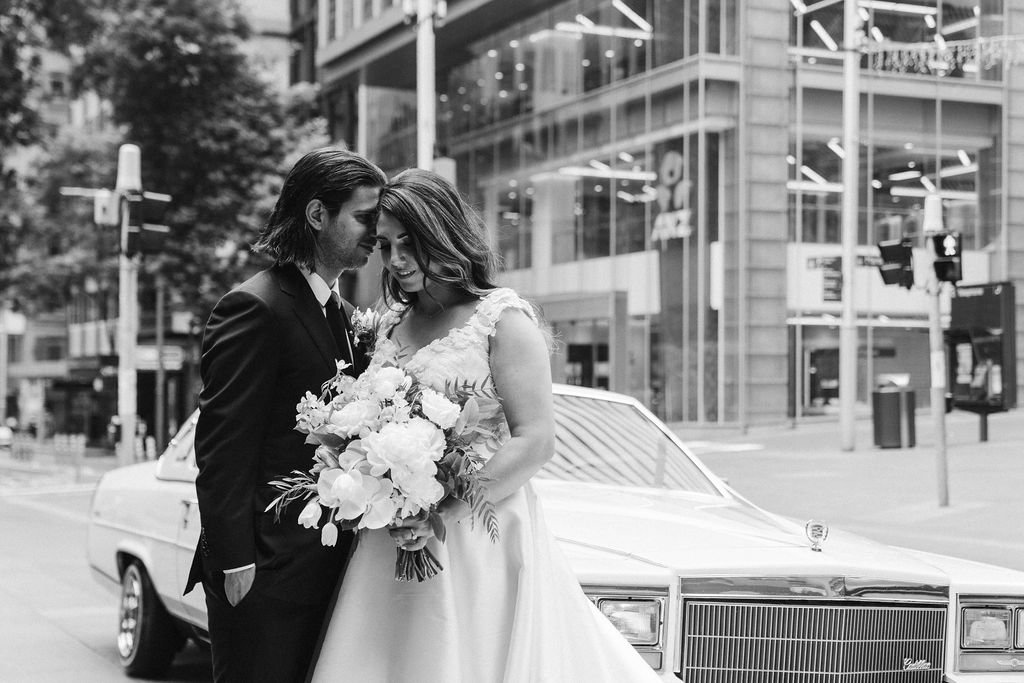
x,y
942,35
573,48
514,222
611,443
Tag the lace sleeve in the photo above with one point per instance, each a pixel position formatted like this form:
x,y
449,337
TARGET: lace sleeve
x,y
494,304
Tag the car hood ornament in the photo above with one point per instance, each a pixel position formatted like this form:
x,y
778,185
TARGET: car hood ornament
x,y
816,532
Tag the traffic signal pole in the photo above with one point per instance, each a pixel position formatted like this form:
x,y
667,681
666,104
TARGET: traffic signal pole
x,y
932,225
129,179
113,209
938,391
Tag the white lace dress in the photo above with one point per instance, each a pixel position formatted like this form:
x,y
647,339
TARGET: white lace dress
x,y
506,612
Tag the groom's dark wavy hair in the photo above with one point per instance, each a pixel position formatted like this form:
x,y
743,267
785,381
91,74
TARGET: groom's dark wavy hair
x,y
443,230
329,174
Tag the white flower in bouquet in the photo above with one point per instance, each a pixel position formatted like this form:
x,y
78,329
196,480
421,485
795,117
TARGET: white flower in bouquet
x,y
353,494
311,413
404,447
329,535
421,489
352,418
439,409
381,508
310,515
386,382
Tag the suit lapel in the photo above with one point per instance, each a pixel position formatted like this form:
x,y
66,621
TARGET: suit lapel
x,y
309,313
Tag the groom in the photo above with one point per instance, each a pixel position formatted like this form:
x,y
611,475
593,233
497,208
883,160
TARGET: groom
x,y
268,342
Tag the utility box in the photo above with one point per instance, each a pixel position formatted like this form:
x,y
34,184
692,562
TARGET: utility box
x,y
892,415
981,353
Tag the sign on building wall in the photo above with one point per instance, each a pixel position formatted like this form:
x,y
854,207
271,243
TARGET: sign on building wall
x,y
674,218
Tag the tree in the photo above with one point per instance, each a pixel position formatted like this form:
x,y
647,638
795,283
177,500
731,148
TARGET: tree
x,y
204,119
28,27
54,244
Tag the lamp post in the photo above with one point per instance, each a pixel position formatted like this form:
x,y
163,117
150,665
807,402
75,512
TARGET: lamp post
x,y
425,13
851,164
932,225
129,181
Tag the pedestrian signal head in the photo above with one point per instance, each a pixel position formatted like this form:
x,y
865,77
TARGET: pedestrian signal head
x,y
947,248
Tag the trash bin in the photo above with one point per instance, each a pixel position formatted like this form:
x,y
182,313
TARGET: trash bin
x,y
892,413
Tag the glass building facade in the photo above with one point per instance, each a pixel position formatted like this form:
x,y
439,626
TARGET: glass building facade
x,y
664,176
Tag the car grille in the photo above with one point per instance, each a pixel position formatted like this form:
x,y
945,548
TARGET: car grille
x,y
755,642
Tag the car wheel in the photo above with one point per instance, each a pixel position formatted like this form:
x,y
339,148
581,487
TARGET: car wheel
x,y
147,638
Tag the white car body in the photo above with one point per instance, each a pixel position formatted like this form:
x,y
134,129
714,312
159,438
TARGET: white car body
x,y
700,557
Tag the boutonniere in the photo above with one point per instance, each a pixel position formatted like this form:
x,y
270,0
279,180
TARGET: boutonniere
x,y
365,324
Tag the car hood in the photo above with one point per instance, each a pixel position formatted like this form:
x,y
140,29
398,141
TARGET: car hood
x,y
612,530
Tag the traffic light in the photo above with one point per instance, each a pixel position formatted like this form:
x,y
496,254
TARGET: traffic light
x,y
147,231
897,262
947,256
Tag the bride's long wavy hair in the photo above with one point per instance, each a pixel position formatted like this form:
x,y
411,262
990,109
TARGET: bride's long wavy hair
x,y
443,231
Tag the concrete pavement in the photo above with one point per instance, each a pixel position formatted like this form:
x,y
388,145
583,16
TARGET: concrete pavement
x,y
892,494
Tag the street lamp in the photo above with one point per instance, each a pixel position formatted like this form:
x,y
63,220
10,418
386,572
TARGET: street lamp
x,y
425,13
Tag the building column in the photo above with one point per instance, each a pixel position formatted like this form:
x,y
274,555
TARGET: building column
x,y
1012,267
763,233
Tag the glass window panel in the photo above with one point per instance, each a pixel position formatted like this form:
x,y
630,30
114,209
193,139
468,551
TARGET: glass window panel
x,y
347,15
595,218
668,29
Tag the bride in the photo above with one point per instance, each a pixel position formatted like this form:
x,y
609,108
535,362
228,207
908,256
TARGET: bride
x,y
509,611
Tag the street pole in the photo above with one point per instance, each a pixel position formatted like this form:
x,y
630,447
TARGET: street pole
x,y
426,126
851,163
129,180
932,224
4,360
160,397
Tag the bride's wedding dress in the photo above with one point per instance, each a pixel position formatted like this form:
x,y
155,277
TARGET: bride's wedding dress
x,y
509,612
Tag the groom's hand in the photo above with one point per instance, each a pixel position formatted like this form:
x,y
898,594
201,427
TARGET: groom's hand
x,y
237,584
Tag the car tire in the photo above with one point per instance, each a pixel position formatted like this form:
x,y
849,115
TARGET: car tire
x,y
147,638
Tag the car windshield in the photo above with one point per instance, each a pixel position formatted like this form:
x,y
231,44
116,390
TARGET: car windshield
x,y
606,442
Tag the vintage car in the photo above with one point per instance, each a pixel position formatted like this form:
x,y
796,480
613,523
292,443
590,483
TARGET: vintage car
x,y
707,586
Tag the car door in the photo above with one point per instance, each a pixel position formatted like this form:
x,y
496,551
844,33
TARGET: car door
x,y
178,464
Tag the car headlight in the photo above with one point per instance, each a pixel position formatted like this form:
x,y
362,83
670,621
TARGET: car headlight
x,y
986,627
639,621
991,634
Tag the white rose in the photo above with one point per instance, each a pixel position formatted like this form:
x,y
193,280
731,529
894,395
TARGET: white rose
x,y
439,409
353,417
310,515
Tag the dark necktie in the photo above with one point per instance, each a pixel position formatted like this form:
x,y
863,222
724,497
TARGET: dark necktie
x,y
338,328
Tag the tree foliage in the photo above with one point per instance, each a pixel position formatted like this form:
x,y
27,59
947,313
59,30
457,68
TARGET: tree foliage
x,y
55,245
28,27
213,134
204,119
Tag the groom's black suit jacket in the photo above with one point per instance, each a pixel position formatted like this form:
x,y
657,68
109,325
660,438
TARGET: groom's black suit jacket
x,y
266,344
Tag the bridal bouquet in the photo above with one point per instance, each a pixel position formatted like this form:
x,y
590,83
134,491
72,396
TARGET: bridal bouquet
x,y
388,448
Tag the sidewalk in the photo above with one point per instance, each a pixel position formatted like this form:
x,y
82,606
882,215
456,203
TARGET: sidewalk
x,y
890,495
43,464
